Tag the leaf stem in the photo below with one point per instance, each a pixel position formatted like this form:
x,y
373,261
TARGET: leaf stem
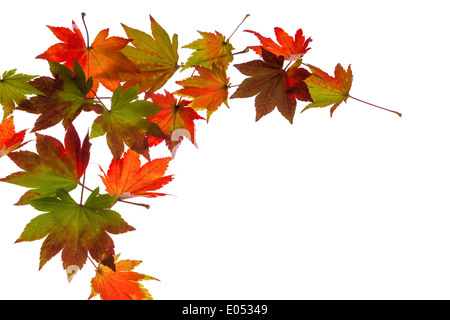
x,y
82,189
96,267
243,51
146,206
100,100
373,105
92,98
287,66
87,33
246,16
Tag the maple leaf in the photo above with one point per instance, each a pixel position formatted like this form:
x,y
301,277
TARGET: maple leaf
x,y
156,58
63,99
9,139
290,48
295,83
211,49
13,90
74,228
127,179
267,81
127,123
175,116
121,284
102,60
326,90
209,89
55,166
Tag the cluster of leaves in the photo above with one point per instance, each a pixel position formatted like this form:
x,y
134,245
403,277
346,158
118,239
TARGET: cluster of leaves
x,y
128,67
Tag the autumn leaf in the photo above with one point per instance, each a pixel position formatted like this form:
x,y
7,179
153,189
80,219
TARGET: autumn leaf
x,y
13,90
209,89
102,60
156,58
9,139
122,284
63,99
74,228
295,83
126,123
55,166
175,116
326,90
290,48
127,179
211,49
267,82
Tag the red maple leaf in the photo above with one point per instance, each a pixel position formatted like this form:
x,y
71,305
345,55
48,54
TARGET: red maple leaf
x,y
290,48
101,60
127,179
9,139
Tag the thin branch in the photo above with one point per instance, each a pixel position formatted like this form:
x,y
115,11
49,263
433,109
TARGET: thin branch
x,y
246,16
87,33
374,105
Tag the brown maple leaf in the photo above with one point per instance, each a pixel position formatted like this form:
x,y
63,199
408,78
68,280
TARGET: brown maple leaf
x,y
267,82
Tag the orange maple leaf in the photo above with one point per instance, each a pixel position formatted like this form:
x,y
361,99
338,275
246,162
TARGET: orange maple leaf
x,y
209,89
127,179
102,60
123,284
175,115
9,139
290,48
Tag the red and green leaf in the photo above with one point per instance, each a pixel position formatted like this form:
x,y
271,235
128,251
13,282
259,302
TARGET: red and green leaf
x,y
326,90
75,229
127,123
55,166
63,99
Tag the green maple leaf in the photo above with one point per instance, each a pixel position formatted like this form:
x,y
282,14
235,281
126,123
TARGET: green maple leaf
x,y
156,58
127,123
211,49
64,96
326,90
55,166
74,228
13,90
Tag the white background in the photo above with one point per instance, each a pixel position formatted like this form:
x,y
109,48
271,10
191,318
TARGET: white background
x,y
353,207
